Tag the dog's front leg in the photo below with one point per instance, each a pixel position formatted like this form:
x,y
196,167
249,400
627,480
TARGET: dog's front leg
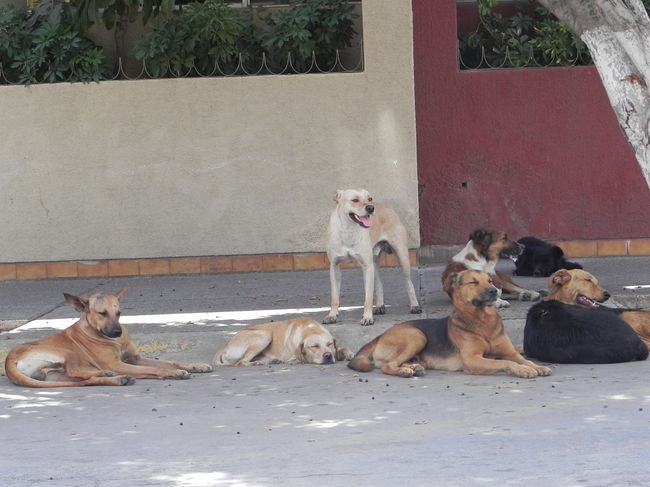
x,y
335,288
79,369
380,308
172,365
507,351
150,372
369,281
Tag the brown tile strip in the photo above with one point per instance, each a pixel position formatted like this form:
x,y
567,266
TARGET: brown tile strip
x,y
260,263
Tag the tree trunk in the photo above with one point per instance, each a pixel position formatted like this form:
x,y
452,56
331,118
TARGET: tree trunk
x,y
617,33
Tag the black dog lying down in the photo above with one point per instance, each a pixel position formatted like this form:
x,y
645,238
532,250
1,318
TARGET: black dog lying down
x,y
541,259
570,325
566,334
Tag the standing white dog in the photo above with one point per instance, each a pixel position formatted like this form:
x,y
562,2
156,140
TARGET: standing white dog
x,y
359,230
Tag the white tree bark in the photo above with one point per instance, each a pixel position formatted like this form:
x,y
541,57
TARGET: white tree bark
x,y
617,33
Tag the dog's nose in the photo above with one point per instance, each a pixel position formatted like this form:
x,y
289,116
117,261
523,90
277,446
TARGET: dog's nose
x,y
112,331
327,356
370,209
606,295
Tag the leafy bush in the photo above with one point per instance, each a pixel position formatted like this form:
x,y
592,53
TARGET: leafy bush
x,y
212,36
40,45
201,36
309,27
530,37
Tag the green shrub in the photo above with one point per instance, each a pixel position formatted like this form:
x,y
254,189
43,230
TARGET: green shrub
x,y
40,45
308,28
530,37
203,36
212,38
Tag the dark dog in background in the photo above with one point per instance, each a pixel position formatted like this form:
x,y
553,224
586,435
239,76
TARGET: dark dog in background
x,y
571,326
540,259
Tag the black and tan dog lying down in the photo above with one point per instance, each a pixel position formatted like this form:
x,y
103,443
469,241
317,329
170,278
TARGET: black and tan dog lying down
x,y
471,339
571,326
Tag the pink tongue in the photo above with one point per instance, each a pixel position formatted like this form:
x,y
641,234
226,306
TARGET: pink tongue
x,y
585,301
366,221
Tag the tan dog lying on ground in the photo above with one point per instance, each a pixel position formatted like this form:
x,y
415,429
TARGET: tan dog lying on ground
x,y
571,326
471,339
96,350
482,253
359,230
301,340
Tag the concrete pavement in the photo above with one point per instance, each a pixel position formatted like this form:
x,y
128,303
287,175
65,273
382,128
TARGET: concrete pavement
x,y
325,425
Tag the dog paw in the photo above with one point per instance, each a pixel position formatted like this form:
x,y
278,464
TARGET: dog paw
x,y
200,368
529,296
543,371
379,310
406,372
107,373
330,319
416,310
344,354
126,380
418,370
180,374
502,303
524,371
367,321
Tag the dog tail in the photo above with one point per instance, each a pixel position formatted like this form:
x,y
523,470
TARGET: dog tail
x,y
363,361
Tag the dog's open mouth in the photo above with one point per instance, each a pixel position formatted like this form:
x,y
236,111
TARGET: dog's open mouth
x,y
364,221
583,300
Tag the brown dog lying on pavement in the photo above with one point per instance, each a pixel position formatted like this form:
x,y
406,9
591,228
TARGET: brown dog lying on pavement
x,y
570,325
301,340
482,253
94,351
471,339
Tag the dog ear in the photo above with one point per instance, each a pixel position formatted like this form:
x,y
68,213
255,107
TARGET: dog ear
x,y
450,281
300,353
78,303
481,237
558,279
338,195
121,292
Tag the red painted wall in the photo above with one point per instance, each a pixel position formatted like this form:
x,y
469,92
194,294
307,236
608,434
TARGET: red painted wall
x,y
531,151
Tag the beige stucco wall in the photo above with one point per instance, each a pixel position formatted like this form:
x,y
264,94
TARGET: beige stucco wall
x,y
220,166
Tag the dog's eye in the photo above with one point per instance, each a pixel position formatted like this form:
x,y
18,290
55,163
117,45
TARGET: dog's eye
x,y
103,313
315,346
370,198
355,200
